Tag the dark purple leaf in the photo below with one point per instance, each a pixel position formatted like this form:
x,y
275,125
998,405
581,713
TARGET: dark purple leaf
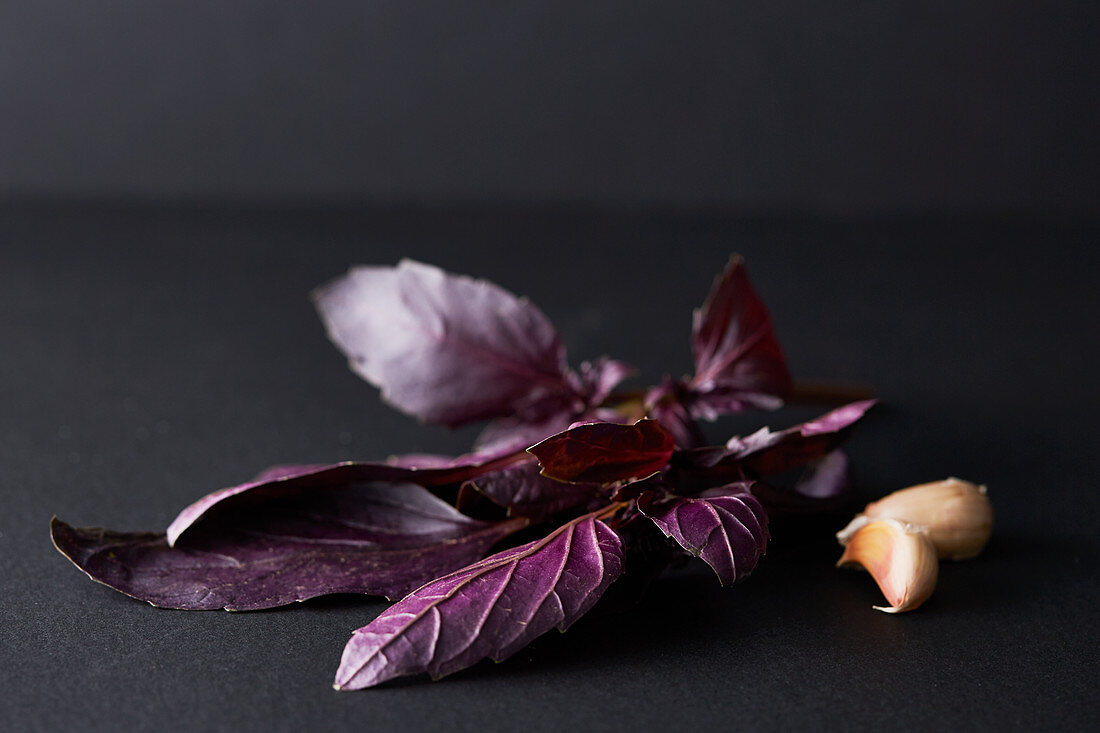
x,y
444,348
727,527
293,481
373,538
491,609
826,477
765,453
524,492
738,360
605,452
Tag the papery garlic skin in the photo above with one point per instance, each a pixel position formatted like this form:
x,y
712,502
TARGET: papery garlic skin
x,y
901,559
956,515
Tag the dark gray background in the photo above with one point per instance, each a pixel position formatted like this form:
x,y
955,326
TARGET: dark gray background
x,y
809,105
916,187
152,355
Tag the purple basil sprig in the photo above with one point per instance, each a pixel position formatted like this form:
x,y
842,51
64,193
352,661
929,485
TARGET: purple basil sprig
x,y
606,482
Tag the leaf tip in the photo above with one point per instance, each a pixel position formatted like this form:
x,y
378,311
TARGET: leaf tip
x,y
736,260
341,684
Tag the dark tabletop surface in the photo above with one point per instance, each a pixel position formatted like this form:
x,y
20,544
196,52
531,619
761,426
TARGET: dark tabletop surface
x,y
150,355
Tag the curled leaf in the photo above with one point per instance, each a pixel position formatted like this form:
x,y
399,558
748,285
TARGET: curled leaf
x,y
727,527
490,609
765,453
289,481
442,347
372,538
605,452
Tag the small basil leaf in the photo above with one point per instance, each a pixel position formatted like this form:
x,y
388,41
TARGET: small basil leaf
x,y
605,452
727,527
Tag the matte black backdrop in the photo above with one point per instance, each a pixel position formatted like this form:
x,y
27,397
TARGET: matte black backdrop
x,y
176,176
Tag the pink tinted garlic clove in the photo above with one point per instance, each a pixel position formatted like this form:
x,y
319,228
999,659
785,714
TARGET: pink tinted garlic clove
x,y
900,558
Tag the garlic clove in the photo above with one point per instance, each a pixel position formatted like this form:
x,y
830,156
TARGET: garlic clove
x,y
957,515
901,559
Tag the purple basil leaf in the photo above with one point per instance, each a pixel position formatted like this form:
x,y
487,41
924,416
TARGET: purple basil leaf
x,y
765,453
738,360
378,539
445,348
825,477
605,452
490,609
524,492
727,527
302,480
